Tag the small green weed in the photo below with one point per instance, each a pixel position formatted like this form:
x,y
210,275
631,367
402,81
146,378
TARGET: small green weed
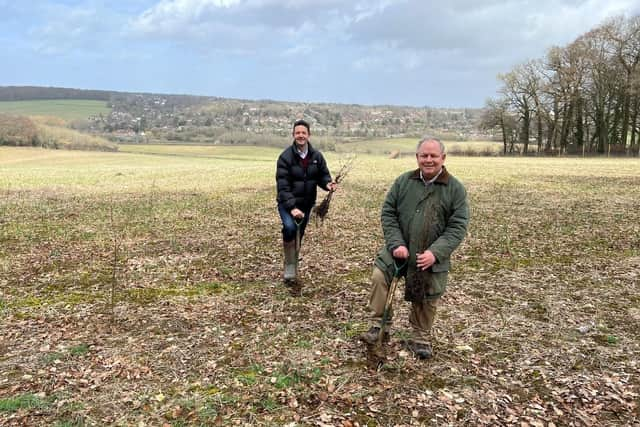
x,y
303,343
268,404
287,380
79,350
70,423
287,377
250,375
52,357
351,329
606,339
25,401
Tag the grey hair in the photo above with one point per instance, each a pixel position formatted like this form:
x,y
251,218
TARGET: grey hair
x,y
430,138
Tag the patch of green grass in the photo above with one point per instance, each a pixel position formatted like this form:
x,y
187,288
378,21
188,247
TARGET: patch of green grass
x,y
59,297
75,351
286,380
52,357
151,295
69,409
213,287
70,298
315,375
401,334
28,302
226,270
212,407
303,343
25,401
68,109
250,376
288,377
79,350
606,339
70,423
269,404
351,329
209,412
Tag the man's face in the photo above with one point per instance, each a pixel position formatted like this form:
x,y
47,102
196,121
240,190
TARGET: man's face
x,y
301,135
430,159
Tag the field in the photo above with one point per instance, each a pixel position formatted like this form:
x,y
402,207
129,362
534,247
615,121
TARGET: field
x,y
143,288
67,109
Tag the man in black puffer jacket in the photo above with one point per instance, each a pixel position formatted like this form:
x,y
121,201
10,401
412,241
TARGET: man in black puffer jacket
x,y
300,169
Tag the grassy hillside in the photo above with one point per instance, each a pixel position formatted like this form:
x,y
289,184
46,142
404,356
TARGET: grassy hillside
x,y
47,132
67,109
144,288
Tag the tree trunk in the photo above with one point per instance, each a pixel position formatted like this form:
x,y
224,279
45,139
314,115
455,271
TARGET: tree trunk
x,y
551,142
579,134
566,126
635,143
625,119
524,135
540,135
601,130
504,135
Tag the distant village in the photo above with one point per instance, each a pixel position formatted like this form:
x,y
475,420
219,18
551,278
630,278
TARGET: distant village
x,y
146,117
139,117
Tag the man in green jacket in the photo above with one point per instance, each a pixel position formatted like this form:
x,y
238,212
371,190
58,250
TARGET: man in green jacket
x,y
424,219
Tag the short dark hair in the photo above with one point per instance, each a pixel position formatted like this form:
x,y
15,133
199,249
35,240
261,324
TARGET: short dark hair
x,y
302,123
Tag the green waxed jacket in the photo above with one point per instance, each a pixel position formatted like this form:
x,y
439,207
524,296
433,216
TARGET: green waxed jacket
x,y
420,217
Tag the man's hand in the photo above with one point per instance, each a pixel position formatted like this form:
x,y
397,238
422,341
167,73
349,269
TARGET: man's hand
x,y
297,213
401,252
332,186
425,260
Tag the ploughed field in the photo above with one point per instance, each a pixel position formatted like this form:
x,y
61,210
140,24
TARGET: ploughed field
x,y
144,287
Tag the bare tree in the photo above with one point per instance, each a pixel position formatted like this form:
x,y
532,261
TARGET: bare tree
x,y
625,35
515,89
497,116
582,96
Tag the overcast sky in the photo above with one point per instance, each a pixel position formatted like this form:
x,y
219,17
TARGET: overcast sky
x,y
399,52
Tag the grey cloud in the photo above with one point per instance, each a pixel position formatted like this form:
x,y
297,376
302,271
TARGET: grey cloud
x,y
490,36
263,24
60,29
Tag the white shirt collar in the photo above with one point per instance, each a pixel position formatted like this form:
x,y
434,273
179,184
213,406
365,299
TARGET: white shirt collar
x,y
432,180
304,153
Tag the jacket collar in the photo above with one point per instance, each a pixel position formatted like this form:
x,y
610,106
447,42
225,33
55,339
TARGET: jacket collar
x,y
442,179
294,148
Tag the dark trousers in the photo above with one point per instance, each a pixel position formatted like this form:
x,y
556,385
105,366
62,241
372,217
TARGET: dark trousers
x,y
289,226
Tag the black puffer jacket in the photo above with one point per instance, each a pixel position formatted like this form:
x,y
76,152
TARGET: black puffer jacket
x,y
297,187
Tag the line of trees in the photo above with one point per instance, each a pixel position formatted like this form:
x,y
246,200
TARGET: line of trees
x,y
29,93
579,99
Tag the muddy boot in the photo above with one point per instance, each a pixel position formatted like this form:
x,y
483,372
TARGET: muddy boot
x,y
420,350
290,262
371,336
295,288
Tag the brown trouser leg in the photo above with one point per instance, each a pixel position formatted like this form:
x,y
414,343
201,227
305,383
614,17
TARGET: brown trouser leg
x,y
422,313
378,298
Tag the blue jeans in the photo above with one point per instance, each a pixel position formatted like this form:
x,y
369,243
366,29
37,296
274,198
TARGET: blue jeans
x,y
289,226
